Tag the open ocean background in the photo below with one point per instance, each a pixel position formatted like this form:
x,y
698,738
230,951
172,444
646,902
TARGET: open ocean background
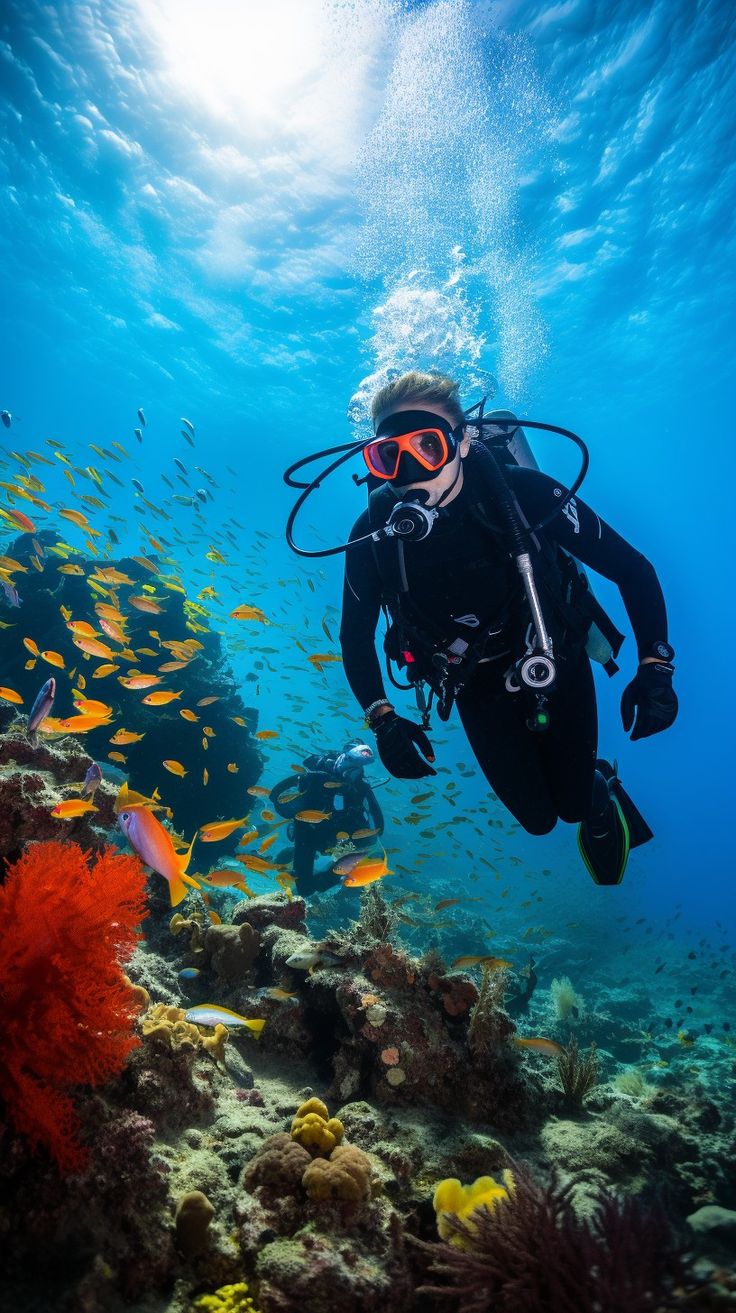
x,y
243,212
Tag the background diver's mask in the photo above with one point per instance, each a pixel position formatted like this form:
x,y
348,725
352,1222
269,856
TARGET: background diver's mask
x,y
424,444
354,756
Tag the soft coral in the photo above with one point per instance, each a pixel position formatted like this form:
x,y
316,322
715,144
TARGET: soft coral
x,y
66,1009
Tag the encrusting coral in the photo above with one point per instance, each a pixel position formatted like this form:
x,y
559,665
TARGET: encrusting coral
x,y
66,923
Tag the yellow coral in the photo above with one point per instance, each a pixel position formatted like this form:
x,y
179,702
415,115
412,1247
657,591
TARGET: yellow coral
x,y
168,1023
215,1044
313,1127
228,1299
454,1200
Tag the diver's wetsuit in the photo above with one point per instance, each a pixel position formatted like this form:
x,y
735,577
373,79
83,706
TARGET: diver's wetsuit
x,y
353,806
463,570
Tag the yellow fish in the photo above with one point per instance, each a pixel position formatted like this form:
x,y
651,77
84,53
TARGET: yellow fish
x,y
312,816
232,766
89,707
54,659
216,830
187,714
122,736
539,1045
139,681
258,791
175,767
249,613
32,647
160,698
101,672
10,695
70,569
93,647
82,629
72,807
117,756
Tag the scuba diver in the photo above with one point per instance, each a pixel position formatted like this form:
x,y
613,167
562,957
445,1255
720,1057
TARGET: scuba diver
x,y
473,554
333,785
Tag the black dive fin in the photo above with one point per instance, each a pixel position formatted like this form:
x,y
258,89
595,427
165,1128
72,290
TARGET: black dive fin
x,y
604,844
639,831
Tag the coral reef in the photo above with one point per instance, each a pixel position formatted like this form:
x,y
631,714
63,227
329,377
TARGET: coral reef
x,y
535,1252
313,1127
66,924
34,777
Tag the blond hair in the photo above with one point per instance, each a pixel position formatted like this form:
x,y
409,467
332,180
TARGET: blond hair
x,y
433,388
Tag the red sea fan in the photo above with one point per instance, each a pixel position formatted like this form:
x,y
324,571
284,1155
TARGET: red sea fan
x,y
66,1011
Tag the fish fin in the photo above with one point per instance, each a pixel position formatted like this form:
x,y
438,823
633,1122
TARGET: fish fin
x,y
188,879
188,855
177,891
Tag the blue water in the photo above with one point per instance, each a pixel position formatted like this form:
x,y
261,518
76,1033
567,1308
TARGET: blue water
x,y
245,213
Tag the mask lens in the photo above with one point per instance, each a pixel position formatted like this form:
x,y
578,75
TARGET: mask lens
x,y
383,457
430,447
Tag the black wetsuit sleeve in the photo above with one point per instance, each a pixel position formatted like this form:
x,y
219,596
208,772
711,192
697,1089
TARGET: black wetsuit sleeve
x,y
361,606
595,544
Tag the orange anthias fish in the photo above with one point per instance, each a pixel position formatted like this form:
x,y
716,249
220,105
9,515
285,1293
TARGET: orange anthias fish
x,y
90,707
312,816
72,807
160,698
246,612
175,767
139,681
216,830
93,647
366,871
154,846
540,1045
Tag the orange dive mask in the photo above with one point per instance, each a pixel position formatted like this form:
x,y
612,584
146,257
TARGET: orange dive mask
x,y
429,447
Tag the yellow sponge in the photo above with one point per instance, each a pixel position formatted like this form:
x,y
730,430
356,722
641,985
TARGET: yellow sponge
x,y
454,1200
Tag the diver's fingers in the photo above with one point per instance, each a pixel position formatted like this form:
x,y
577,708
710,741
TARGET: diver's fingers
x,y
423,743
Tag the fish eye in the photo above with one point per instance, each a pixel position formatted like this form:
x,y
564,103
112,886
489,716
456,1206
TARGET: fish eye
x,y
125,816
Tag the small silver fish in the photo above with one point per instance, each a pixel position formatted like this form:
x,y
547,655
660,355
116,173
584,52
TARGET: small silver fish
x,y
92,779
141,417
138,434
137,484
42,705
187,424
180,465
7,418
306,959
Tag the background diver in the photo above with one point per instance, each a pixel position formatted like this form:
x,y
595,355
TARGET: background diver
x,y
459,616
333,783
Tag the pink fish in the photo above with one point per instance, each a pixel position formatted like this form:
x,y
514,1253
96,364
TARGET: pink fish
x,y
153,844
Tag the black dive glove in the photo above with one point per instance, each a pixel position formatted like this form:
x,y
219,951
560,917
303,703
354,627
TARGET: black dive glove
x,y
396,738
651,696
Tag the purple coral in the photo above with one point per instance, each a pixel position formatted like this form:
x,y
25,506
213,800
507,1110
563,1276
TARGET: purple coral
x,y
536,1254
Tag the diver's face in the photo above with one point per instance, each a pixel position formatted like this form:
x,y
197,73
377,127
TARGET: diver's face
x,y
438,486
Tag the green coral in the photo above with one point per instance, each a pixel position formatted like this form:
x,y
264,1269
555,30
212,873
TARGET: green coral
x,y
228,1299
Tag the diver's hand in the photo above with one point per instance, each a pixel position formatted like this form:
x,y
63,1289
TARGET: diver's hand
x,y
396,738
651,696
